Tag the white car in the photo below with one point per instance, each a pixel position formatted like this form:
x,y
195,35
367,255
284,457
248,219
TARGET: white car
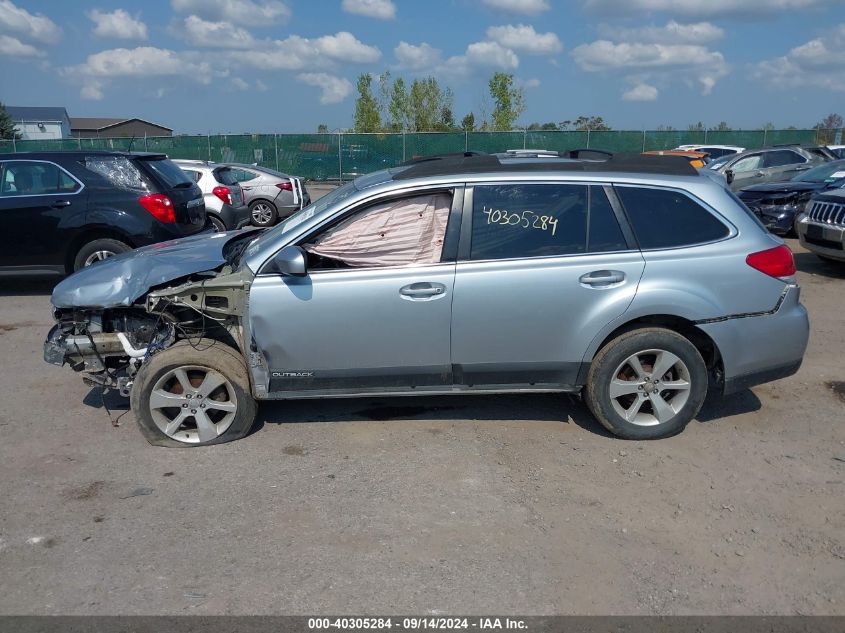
x,y
714,151
223,196
839,150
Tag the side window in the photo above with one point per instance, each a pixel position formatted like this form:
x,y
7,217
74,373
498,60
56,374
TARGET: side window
x,y
749,163
603,232
397,233
242,175
782,157
30,178
515,221
118,170
196,176
662,218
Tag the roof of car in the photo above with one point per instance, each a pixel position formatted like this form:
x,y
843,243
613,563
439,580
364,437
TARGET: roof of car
x,y
78,153
474,163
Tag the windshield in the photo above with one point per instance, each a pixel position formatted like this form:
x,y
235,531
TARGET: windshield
x,y
719,163
823,173
311,210
169,173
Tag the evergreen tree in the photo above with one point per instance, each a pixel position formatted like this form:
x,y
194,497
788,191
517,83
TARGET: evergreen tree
x,y
7,126
367,117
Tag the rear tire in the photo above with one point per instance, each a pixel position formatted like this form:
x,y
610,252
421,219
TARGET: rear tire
x,y
632,400
98,250
263,213
217,223
193,395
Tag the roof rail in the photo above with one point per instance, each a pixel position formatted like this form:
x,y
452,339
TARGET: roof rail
x,y
473,162
416,160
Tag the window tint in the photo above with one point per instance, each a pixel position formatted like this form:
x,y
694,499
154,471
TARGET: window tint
x,y
665,219
749,163
528,221
782,157
168,172
196,176
225,176
30,178
604,234
242,175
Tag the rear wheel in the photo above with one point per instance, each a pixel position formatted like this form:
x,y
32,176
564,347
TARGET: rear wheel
x,y
646,384
263,213
193,395
217,223
98,250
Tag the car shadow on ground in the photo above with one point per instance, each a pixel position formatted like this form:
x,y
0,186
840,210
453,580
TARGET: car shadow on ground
x,y
28,286
811,264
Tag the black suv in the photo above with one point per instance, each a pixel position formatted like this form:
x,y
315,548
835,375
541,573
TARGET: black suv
x,y
61,211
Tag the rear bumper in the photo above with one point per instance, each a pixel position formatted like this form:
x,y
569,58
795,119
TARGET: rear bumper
x,y
821,238
235,217
758,349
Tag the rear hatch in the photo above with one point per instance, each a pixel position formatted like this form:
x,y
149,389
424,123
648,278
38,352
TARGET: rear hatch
x,y
226,177
170,180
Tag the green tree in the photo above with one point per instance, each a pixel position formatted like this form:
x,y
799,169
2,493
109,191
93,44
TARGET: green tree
x,y
768,126
508,101
696,127
468,123
367,117
7,126
542,127
586,123
665,128
427,104
322,129
827,127
722,127
398,106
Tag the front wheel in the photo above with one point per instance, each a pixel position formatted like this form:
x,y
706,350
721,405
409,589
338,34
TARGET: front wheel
x,y
193,395
263,213
646,384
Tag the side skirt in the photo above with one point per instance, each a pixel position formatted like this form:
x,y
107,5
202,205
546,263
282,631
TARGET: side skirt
x,y
456,390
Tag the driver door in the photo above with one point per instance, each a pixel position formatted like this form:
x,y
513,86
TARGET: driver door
x,y
371,314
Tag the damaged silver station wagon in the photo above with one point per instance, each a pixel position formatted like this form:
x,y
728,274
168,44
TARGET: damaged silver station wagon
x,y
635,281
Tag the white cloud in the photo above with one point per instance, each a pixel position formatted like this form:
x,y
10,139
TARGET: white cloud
x,y
144,61
641,92
246,12
334,89
20,22
299,53
525,38
491,54
260,86
695,33
528,7
704,9
13,47
204,33
413,57
684,60
530,83
816,63
239,84
118,24
379,9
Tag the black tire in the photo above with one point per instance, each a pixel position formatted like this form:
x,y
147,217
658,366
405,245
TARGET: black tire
x,y
196,357
217,223
103,245
614,355
254,208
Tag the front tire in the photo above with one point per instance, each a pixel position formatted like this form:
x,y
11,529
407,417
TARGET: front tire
x,y
98,250
263,213
193,395
646,384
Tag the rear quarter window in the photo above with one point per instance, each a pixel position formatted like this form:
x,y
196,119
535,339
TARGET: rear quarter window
x,y
168,172
663,218
118,170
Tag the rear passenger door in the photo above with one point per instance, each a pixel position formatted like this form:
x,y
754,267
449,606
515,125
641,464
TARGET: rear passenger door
x,y
542,268
782,164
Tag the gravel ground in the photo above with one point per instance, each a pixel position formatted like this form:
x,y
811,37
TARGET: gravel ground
x,y
505,504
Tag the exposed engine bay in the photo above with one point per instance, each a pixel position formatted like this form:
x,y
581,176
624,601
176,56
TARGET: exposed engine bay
x,y
110,344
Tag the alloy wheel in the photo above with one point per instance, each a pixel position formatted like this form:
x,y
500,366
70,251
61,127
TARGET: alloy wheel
x,y
650,387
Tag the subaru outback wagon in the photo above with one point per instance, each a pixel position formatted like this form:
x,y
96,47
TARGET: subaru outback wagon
x,y
636,281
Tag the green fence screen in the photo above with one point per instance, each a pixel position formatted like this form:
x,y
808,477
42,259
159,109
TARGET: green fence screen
x,y
344,156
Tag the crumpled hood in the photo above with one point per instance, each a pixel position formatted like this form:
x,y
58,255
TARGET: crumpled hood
x,y
786,186
122,279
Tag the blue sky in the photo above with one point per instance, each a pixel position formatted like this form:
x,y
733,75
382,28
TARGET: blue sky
x,y
288,65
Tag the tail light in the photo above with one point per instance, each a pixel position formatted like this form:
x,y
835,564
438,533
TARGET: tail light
x,y
775,262
224,193
159,206
285,186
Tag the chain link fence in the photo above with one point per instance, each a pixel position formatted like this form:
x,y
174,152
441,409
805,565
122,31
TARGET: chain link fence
x,y
341,156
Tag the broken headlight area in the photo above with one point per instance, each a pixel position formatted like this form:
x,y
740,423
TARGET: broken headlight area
x,y
108,345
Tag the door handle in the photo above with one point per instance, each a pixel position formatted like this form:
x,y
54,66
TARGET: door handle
x,y
759,173
602,278
422,290
58,204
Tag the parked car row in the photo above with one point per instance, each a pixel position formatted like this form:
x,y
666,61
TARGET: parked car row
x,y
62,211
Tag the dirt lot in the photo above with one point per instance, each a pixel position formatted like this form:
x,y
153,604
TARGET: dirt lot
x,y
508,504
